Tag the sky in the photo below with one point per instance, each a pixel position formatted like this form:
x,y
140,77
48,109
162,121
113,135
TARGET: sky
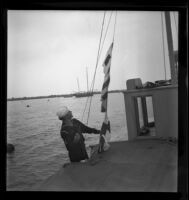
x,y
49,50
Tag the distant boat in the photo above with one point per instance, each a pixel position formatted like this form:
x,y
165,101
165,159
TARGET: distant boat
x,y
27,106
83,94
68,95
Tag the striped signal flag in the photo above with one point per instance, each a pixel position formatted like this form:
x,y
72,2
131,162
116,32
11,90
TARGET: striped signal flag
x,y
106,65
105,129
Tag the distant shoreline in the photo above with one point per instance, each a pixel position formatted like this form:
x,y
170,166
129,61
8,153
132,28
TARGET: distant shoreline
x,y
54,96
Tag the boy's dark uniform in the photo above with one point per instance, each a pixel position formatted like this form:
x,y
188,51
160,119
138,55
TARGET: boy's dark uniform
x,y
77,150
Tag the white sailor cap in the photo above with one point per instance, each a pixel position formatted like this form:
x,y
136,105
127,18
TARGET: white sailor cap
x,y
62,112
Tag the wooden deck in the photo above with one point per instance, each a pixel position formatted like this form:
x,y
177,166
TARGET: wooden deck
x,y
148,165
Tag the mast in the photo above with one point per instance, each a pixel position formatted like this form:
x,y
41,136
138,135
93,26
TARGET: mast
x,y
170,48
78,85
87,80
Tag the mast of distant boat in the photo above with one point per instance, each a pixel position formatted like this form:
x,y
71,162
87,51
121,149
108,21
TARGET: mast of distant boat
x,y
87,80
78,85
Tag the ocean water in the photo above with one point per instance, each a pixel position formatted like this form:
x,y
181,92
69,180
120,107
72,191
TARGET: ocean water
x,y
35,132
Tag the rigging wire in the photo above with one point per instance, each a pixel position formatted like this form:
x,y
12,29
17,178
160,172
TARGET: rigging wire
x,y
114,26
85,106
92,84
96,67
106,31
98,58
163,43
97,61
105,34
95,71
106,114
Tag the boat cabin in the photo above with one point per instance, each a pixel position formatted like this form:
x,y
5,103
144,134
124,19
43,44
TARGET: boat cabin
x,y
151,112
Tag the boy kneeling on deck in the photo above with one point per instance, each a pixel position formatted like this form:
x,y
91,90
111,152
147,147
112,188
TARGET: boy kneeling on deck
x,y
71,133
